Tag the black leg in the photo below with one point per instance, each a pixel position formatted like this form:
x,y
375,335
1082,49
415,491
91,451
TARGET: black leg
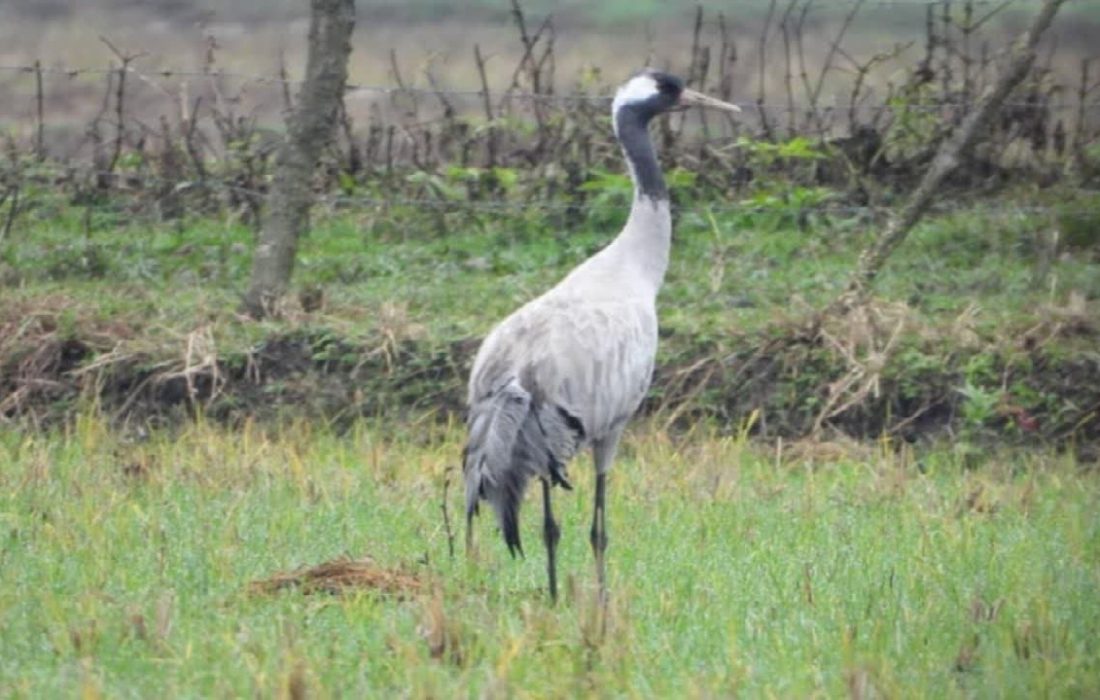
x,y
550,536
599,534
469,536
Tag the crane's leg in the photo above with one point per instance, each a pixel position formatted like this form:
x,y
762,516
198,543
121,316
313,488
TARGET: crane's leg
x,y
603,453
599,534
551,533
469,535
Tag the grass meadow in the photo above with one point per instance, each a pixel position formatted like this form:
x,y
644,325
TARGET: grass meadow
x,y
811,569
958,559
737,566
449,272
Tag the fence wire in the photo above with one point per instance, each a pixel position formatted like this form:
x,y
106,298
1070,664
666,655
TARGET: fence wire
x,y
545,97
146,183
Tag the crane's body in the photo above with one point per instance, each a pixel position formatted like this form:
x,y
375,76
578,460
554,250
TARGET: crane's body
x,y
588,344
568,369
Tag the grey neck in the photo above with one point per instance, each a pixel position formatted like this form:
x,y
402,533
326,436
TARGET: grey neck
x,y
631,128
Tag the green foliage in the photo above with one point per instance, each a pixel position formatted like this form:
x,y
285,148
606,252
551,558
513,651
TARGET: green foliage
x,y
776,208
769,153
681,179
982,398
779,203
732,571
610,194
505,178
794,155
913,367
980,404
609,187
407,284
1078,221
916,129
436,186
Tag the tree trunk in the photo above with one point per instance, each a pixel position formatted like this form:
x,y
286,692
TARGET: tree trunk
x,y
947,159
309,127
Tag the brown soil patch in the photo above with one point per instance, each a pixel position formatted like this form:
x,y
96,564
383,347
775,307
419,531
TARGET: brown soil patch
x,y
880,374
344,575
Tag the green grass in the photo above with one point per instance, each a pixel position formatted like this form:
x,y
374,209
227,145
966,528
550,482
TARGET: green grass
x,y
125,564
408,290
455,271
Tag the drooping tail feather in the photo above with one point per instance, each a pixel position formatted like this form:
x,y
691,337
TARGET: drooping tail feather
x,y
511,440
488,467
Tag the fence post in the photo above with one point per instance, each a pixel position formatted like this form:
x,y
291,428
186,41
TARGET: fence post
x,y
309,127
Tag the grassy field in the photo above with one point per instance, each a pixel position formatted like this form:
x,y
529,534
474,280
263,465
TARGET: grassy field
x,y
814,569
897,500
734,264
784,569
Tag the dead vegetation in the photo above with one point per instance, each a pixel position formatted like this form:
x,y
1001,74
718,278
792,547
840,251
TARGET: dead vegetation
x,y
344,575
164,142
880,369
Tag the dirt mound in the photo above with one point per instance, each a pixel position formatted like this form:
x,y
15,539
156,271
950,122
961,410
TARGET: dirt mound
x,y
882,371
344,575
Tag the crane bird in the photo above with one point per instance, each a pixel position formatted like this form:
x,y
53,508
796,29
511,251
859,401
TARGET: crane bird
x,y
569,368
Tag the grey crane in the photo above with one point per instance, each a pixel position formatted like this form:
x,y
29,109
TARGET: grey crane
x,y
568,369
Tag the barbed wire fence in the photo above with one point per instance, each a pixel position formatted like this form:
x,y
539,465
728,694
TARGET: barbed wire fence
x,y
389,90
402,132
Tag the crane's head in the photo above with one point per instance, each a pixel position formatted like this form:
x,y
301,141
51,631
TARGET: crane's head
x,y
652,92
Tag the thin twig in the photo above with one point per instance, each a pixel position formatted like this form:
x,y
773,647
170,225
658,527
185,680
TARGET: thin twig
x,y
13,211
284,79
491,143
762,61
39,98
784,27
447,514
826,65
120,99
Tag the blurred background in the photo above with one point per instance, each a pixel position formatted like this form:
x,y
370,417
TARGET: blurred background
x,y
594,44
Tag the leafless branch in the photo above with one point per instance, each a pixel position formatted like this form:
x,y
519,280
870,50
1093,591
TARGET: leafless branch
x,y
948,157
762,60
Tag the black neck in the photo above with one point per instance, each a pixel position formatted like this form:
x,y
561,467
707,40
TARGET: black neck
x,y
632,129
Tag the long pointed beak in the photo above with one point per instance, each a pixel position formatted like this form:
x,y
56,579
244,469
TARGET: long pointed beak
x,y
691,98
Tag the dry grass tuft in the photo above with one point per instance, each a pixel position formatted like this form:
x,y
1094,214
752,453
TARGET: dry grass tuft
x,y
865,337
980,499
838,447
442,632
344,575
1076,318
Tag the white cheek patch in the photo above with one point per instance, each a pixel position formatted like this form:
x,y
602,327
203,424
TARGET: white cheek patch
x,y
637,89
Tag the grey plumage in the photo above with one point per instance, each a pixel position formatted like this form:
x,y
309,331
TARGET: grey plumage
x,y
514,436
569,368
579,372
